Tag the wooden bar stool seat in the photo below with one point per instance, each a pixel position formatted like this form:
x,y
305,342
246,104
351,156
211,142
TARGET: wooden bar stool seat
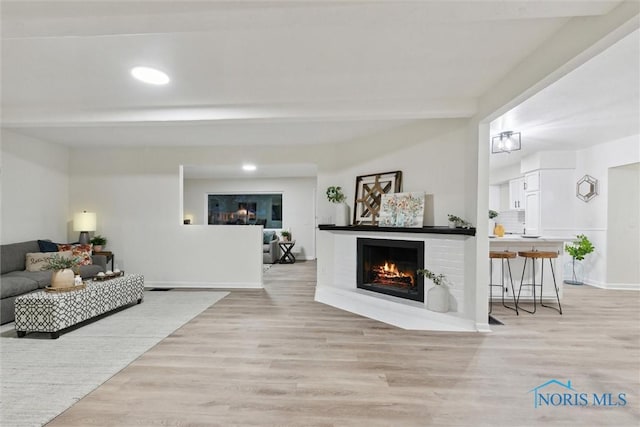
x,y
502,256
534,255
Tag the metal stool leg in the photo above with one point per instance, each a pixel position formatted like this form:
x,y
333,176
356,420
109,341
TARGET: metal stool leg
x,y
490,285
559,309
513,292
533,285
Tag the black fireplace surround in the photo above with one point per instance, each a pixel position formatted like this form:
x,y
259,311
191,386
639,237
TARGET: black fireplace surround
x,y
389,267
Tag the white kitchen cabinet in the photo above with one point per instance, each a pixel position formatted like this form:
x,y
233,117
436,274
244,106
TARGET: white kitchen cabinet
x,y
532,181
549,210
516,194
532,213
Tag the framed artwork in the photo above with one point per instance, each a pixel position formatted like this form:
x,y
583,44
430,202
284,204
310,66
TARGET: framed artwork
x,y
402,210
369,191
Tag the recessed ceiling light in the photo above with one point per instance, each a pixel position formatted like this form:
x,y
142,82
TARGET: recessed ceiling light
x,y
150,75
248,167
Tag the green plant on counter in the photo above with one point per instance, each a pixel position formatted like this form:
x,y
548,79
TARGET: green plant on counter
x,y
492,214
437,279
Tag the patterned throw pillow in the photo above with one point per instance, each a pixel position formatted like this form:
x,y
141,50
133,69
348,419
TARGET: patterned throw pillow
x,y
37,261
81,251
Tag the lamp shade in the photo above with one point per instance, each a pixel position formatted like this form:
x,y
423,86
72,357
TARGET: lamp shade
x,y
84,221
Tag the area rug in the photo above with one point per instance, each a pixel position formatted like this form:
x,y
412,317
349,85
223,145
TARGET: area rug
x,y
42,377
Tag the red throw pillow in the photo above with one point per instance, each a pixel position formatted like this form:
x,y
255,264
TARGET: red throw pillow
x,y
83,252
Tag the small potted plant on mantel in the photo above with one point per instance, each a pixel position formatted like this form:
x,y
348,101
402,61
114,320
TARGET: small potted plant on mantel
x,y
456,221
62,275
578,250
438,295
98,242
337,197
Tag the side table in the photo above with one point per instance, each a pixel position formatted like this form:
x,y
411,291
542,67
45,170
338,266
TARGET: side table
x,y
287,257
109,256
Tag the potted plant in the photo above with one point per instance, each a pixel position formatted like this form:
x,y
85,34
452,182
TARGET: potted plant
x,y
336,196
456,221
286,235
438,295
492,224
578,250
98,242
62,275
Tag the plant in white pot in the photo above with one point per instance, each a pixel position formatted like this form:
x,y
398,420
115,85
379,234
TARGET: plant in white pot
x,y
98,242
286,235
62,275
578,250
438,295
336,196
456,221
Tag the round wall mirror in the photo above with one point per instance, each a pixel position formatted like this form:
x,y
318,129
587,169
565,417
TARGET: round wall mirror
x,y
587,188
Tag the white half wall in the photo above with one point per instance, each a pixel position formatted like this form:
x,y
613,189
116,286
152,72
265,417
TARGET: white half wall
x,y
35,189
298,200
138,207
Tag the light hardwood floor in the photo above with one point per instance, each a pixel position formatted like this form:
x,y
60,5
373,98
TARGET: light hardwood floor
x,y
275,357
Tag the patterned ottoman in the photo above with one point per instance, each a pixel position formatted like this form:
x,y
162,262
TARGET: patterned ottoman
x,y
52,312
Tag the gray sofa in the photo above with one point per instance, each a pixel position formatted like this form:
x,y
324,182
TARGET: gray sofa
x,y
16,281
270,248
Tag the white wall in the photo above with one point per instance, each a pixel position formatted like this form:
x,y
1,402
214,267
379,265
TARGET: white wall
x,y
299,202
591,218
430,154
35,189
623,226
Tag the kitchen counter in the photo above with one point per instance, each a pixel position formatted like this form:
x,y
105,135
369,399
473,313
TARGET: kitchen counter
x,y
529,240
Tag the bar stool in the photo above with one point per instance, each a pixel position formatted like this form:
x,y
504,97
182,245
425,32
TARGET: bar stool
x,y
502,256
533,255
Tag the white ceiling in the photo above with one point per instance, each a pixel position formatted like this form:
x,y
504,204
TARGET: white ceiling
x,y
596,103
257,72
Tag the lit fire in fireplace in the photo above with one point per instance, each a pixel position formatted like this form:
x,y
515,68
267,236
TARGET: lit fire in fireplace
x,y
388,274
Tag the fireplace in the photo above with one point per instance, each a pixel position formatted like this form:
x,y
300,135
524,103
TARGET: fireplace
x,y
389,267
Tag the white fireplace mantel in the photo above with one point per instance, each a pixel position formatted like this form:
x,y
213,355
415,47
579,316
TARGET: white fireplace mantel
x,y
444,253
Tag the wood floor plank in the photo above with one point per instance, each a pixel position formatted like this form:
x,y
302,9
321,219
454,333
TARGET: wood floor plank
x,y
275,357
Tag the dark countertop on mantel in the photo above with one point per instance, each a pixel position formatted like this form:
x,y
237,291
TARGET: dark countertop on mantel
x,y
424,230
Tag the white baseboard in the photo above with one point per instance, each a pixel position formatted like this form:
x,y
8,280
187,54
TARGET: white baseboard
x,y
613,286
204,285
616,286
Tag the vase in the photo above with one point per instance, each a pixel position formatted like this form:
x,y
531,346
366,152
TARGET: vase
x,y
62,278
574,273
97,248
492,226
342,214
499,230
452,224
438,299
